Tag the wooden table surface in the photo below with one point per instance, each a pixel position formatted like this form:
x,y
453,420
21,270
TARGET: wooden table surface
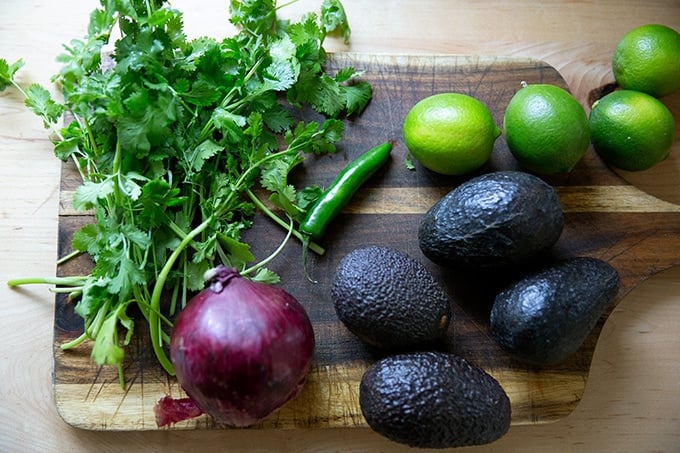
x,y
632,397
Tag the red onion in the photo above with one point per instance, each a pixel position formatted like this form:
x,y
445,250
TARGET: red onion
x,y
172,410
241,349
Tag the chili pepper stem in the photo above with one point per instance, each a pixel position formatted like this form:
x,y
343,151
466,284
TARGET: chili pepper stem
x,y
306,240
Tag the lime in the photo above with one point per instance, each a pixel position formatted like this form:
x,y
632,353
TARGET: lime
x,y
450,133
546,129
631,130
647,59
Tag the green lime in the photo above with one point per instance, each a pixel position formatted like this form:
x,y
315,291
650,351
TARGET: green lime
x,y
631,130
546,129
647,59
450,133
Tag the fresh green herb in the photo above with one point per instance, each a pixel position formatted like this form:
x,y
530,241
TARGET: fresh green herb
x,y
408,163
170,136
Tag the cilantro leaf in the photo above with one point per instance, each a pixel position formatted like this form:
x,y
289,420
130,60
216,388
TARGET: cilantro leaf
x,y
254,15
100,23
107,349
408,163
157,196
94,295
203,93
127,274
280,75
306,197
66,148
314,138
81,58
238,252
129,186
7,72
326,96
136,236
199,155
228,123
40,102
331,132
89,193
334,18
284,68
264,275
357,97
86,240
345,74
193,275
147,120
277,118
275,179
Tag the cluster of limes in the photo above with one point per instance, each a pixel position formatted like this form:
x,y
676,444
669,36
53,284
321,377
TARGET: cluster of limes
x,y
547,130
630,128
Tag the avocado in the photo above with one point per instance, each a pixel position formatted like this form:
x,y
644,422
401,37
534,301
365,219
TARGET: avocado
x,y
389,299
433,400
496,220
544,317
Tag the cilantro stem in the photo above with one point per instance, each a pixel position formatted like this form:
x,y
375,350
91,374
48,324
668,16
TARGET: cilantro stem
x,y
76,281
313,246
275,253
144,307
149,9
73,292
75,342
176,229
92,143
154,304
69,257
283,5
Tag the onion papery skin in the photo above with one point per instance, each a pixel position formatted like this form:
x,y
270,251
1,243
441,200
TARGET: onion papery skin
x,y
241,349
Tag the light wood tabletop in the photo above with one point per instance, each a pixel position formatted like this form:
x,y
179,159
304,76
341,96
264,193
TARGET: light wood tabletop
x,y
632,396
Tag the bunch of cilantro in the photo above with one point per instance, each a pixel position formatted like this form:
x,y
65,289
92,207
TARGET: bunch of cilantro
x,y
170,135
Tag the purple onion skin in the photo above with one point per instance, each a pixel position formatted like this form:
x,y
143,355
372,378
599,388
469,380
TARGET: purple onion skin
x,y
241,349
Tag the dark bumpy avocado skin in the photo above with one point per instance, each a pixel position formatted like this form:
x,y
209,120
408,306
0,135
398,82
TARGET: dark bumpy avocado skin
x,y
544,317
389,300
491,221
433,400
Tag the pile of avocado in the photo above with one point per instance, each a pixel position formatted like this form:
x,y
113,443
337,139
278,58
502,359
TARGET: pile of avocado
x,y
426,398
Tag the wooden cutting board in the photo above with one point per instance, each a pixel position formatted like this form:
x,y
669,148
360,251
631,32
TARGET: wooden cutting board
x,y
605,218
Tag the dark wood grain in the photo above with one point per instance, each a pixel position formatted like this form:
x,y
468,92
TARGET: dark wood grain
x,y
605,218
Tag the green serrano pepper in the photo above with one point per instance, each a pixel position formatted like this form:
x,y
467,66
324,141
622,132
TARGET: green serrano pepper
x,y
341,190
